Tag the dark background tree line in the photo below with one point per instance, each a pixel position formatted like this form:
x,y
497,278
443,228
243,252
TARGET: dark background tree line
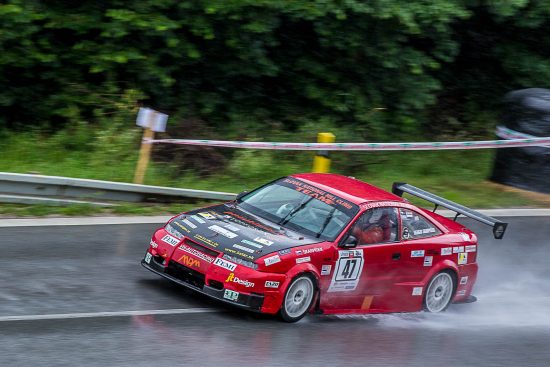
x,y
437,67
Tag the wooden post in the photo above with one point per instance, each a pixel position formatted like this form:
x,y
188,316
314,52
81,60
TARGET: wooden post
x,y
145,150
321,162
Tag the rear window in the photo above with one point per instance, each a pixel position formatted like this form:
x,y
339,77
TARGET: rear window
x,y
414,226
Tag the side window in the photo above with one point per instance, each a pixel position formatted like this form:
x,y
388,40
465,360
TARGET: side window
x,y
378,225
415,226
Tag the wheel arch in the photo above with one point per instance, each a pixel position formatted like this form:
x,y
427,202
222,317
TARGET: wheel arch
x,y
310,270
445,265
305,272
306,268
453,273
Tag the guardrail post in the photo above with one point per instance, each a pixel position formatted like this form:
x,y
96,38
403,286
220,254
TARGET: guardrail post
x,y
321,162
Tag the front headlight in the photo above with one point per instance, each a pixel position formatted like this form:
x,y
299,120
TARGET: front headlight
x,y
240,261
173,231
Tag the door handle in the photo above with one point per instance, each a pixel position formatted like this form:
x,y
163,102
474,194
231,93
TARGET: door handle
x,y
396,256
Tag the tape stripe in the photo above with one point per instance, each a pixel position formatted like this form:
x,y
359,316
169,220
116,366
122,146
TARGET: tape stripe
x,y
507,133
462,145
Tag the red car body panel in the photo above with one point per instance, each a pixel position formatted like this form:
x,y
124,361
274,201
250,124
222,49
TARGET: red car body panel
x,y
391,277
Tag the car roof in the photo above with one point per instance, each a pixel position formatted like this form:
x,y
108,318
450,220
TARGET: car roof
x,y
348,188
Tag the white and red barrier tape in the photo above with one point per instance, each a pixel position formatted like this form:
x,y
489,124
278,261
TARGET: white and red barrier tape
x,y
514,141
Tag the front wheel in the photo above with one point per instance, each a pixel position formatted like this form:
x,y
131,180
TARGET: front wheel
x,y
298,298
439,292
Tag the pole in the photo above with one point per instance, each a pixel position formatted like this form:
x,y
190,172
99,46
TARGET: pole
x,y
321,162
145,150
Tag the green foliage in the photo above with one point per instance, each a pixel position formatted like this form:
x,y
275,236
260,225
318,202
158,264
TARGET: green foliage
x,y
244,66
226,61
504,45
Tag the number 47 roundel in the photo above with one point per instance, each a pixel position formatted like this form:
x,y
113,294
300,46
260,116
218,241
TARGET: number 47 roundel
x,y
348,271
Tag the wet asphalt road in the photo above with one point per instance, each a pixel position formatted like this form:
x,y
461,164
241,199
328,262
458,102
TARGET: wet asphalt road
x,y
81,269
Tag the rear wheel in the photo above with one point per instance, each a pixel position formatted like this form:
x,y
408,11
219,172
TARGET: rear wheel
x,y
298,298
439,292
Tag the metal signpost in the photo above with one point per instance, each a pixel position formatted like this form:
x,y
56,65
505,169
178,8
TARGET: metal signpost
x,y
151,121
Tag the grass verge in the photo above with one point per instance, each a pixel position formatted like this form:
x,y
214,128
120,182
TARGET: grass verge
x,y
461,176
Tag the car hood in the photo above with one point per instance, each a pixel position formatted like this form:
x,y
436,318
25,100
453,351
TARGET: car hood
x,y
228,229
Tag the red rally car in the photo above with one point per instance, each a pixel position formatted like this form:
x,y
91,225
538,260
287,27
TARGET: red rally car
x,y
322,243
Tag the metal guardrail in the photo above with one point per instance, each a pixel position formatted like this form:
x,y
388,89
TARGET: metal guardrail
x,y
24,188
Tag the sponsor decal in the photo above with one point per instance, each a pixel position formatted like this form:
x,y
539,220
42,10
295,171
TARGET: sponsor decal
x,y
317,193
233,279
417,253
428,260
350,253
239,253
309,251
230,295
224,232
198,219
446,251
263,241
272,260
461,293
253,244
471,248
284,252
417,291
231,227
271,284
205,240
458,249
303,260
406,234
347,271
153,244
148,257
189,223
462,258
225,264
206,215
325,269
243,248
465,236
463,280
423,231
248,222
172,241
196,253
189,262
181,226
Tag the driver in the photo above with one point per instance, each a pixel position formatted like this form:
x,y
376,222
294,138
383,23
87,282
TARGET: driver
x,y
371,230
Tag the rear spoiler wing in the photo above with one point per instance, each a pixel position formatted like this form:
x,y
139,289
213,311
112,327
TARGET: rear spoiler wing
x,y
499,227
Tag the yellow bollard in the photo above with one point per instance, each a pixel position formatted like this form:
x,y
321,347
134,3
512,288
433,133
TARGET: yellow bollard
x,y
321,162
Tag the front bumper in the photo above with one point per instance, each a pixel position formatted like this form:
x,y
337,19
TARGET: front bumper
x,y
252,302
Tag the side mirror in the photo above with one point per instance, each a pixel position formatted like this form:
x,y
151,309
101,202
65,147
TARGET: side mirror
x,y
240,195
350,242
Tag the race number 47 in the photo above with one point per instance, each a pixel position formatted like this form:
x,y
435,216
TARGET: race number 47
x,y
348,271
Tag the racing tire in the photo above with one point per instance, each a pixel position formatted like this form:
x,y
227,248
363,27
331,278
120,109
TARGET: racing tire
x,y
439,292
298,298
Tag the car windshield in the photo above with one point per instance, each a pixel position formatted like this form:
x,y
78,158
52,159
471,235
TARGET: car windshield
x,y
301,207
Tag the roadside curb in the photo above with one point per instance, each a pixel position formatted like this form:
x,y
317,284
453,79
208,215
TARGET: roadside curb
x,y
159,219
